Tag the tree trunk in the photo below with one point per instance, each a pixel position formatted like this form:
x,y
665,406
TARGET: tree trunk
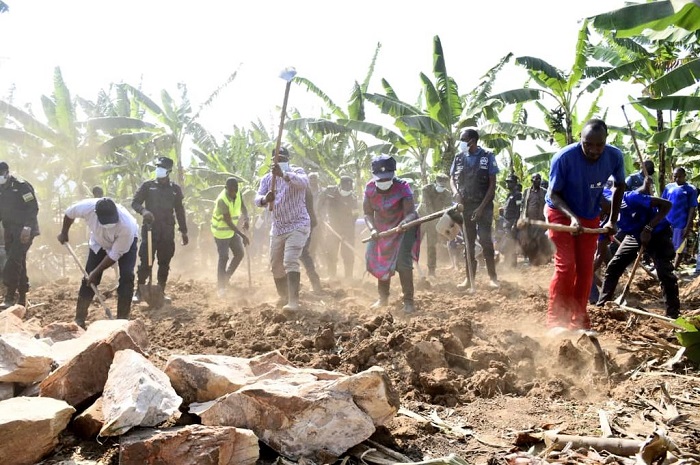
x,y
662,151
569,130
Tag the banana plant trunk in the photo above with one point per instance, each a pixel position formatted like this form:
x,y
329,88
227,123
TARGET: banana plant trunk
x,y
662,151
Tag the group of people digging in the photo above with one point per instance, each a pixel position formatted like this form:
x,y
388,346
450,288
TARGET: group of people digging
x,y
578,177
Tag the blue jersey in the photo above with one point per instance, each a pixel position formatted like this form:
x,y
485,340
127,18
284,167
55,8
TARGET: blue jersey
x,y
580,182
682,198
636,212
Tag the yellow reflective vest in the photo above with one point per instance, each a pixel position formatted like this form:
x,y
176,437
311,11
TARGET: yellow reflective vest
x,y
219,228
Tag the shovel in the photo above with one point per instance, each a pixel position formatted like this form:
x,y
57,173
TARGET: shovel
x,y
92,285
153,295
621,299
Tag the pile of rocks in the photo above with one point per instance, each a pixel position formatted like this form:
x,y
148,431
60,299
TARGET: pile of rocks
x,y
100,382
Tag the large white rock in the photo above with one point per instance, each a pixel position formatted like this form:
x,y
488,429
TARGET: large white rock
x,y
29,428
84,362
305,413
23,359
201,378
136,394
194,444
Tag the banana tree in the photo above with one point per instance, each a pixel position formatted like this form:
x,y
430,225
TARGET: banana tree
x,y
632,20
177,119
65,146
4,8
564,88
333,142
663,65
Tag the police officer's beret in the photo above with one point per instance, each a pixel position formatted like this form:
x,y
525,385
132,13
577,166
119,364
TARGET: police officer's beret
x,y
4,166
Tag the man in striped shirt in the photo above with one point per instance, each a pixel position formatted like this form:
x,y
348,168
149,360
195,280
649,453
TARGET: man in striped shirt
x,y
290,225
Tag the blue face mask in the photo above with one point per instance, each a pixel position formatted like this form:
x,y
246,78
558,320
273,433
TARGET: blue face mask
x,y
3,179
284,166
463,146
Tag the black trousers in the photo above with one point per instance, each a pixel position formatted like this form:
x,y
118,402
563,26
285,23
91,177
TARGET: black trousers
x,y
308,261
481,227
661,251
163,248
125,291
14,275
225,269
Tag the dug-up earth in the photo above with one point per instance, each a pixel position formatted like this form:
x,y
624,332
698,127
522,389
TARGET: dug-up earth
x,y
481,362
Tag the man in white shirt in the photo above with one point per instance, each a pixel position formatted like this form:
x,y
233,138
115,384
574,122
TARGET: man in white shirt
x,y
113,238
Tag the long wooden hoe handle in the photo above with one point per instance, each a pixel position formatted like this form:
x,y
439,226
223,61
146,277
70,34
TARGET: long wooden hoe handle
x,y
523,223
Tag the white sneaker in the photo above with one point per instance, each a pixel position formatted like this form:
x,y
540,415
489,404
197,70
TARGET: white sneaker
x,y
221,292
494,284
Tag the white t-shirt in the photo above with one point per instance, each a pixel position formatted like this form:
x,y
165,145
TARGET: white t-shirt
x,y
116,240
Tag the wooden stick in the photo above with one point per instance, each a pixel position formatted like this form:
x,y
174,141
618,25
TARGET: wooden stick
x,y
617,446
414,223
634,140
523,223
278,143
621,299
93,286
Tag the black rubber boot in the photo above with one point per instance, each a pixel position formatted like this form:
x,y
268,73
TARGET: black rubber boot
x,y
281,285
166,299
123,308
22,299
81,311
406,278
383,289
10,299
293,279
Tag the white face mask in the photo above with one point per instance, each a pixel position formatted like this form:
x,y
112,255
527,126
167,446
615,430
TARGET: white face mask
x,y
439,188
161,172
109,226
463,146
345,193
3,179
384,185
284,166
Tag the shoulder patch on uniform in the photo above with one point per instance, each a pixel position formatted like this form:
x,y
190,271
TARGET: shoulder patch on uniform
x,y
28,197
484,162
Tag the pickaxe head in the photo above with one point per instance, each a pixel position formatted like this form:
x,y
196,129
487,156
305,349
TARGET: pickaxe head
x,y
288,73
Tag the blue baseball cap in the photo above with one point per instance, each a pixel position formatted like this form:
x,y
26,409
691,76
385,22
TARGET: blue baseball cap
x,y
383,167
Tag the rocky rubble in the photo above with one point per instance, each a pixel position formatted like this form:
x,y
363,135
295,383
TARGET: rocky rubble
x,y
103,375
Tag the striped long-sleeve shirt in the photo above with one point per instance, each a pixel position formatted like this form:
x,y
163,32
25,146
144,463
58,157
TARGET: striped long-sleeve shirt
x,y
289,212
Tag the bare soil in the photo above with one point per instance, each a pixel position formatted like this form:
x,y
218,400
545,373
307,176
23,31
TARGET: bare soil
x,y
482,362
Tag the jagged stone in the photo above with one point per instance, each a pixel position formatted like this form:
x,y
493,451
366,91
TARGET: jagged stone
x,y
29,428
201,378
84,362
306,413
194,444
88,424
61,331
7,391
136,394
23,359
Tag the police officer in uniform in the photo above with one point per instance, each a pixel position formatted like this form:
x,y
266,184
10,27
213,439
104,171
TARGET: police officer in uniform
x,y
473,179
18,213
338,205
228,209
435,197
156,200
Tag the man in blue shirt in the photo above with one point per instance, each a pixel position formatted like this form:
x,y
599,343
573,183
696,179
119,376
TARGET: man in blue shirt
x,y
643,220
577,178
684,202
636,180
473,181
